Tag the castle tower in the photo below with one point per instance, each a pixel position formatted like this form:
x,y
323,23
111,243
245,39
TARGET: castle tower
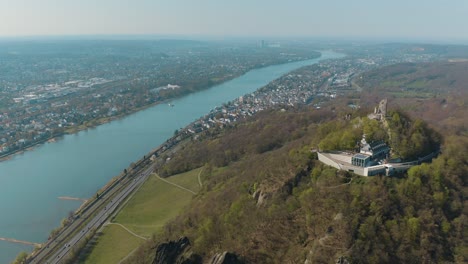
x,y
383,108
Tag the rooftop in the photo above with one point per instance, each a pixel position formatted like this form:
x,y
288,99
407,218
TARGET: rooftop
x,y
361,156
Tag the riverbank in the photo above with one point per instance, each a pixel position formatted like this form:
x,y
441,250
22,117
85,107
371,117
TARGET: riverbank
x,y
79,165
104,120
73,130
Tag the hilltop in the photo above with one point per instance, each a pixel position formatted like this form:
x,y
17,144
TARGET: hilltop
x,y
265,198
407,138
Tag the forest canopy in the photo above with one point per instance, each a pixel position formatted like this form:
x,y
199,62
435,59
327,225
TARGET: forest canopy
x,y
408,138
267,199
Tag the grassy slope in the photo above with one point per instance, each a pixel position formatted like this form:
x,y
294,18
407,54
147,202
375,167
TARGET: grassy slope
x,y
155,203
113,245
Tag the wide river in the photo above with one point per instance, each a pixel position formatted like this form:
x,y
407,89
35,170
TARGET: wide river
x,y
78,165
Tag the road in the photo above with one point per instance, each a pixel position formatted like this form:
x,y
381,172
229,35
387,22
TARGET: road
x,y
110,201
56,249
358,88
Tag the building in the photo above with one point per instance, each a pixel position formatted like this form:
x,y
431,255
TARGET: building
x,y
370,153
368,162
372,157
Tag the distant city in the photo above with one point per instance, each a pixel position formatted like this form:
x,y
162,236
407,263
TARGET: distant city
x,y
313,84
50,89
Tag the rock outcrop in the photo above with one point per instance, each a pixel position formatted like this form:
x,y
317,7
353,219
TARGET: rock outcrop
x,y
225,258
260,196
179,252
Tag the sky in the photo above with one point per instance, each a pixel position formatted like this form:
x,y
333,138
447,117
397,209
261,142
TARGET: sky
x,y
439,20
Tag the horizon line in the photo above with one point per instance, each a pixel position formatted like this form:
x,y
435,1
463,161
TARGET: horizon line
x,y
154,36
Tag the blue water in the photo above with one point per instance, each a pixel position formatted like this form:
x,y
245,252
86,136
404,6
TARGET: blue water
x,y
78,165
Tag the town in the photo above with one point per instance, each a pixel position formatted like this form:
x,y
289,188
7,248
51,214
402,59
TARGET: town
x,y
35,108
313,84
47,95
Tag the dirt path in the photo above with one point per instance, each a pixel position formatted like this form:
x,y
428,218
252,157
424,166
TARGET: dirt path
x,y
128,230
176,185
336,186
131,253
199,179
358,88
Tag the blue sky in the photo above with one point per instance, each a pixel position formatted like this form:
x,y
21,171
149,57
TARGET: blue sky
x,y
442,20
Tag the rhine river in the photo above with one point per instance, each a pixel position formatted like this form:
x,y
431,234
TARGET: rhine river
x,y
79,165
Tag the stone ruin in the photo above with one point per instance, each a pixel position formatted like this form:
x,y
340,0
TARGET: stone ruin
x,y
380,112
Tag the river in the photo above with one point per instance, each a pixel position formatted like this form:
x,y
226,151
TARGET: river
x,y
78,165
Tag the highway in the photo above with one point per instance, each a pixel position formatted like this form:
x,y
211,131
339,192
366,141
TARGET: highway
x,y
58,248
110,201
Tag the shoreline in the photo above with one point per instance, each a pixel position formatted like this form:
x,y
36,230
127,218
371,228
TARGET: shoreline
x,y
101,121
166,145
73,130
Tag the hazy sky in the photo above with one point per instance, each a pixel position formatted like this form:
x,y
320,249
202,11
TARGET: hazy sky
x,y
442,20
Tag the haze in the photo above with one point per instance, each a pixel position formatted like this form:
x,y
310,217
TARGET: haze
x,y
430,19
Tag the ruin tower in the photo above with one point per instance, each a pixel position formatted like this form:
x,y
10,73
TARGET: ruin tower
x,y
380,112
383,108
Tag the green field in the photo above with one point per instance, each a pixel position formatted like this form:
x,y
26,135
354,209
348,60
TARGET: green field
x,y
114,244
154,204
157,202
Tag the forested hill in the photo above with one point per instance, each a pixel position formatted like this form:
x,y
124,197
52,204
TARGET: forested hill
x,y
409,139
436,92
266,199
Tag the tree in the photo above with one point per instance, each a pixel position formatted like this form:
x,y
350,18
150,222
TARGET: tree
x,y
21,258
348,140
